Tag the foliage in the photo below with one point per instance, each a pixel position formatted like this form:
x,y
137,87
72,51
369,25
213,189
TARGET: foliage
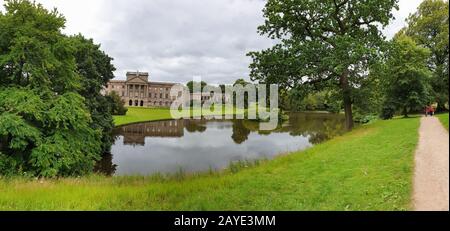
x,y
46,136
52,117
429,27
324,44
388,110
314,101
118,105
95,69
406,77
190,86
243,83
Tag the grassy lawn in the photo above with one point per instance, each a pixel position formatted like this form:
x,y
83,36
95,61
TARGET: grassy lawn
x,y
444,119
139,114
136,114
367,169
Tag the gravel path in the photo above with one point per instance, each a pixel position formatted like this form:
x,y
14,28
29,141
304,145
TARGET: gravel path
x,y
431,167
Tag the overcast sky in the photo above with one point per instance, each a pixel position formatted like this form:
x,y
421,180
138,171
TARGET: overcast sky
x,y
175,40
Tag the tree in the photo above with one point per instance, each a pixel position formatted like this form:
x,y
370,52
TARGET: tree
x,y
95,69
117,103
190,86
243,83
406,77
46,126
324,44
429,27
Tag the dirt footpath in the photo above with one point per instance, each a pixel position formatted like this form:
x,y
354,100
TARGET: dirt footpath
x,y
431,167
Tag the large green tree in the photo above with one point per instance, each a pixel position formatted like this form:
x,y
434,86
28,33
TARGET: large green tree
x,y
405,77
95,69
47,123
429,27
323,44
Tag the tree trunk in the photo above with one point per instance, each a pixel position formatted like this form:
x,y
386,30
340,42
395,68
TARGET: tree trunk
x,y
346,92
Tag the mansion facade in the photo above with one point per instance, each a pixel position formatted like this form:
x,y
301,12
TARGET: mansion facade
x,y
137,91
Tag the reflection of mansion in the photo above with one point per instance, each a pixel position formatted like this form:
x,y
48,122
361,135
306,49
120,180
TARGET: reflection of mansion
x,y
136,133
137,90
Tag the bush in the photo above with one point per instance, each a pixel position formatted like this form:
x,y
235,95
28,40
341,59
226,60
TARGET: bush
x,y
117,104
364,119
8,166
388,111
46,136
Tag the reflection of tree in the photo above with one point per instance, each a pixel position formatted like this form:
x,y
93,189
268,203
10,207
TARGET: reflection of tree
x,y
240,132
319,127
195,125
116,132
105,165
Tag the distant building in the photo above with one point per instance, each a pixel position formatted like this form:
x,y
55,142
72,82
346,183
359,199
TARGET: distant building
x,y
138,91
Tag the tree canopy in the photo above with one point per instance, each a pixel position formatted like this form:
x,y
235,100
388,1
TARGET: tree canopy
x,y
53,120
429,27
323,44
406,77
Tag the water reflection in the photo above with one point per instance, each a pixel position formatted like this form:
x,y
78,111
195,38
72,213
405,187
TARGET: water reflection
x,y
200,145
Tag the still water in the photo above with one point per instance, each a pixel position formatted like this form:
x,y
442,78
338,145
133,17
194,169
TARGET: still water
x,y
201,145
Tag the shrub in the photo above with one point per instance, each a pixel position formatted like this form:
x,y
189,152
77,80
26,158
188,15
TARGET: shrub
x,y
117,104
388,111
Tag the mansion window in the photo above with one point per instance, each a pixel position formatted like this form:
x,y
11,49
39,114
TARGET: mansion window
x,y
160,95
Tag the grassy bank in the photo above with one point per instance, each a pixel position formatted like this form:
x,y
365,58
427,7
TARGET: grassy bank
x,y
367,169
139,114
444,119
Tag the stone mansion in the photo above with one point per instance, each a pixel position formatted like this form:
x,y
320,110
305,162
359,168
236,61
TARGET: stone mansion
x,y
138,91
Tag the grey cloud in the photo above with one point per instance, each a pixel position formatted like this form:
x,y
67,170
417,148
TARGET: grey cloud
x,y
175,40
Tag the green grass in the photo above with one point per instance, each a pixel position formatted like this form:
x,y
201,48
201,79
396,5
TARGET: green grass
x,y
139,114
136,114
444,119
367,169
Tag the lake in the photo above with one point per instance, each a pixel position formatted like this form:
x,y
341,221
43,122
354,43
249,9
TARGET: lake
x,y
201,145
